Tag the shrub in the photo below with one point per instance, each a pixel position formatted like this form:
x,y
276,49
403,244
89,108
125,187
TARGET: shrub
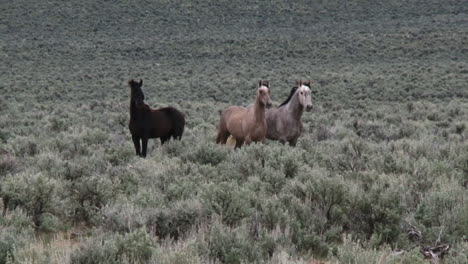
x,y
184,252
57,124
52,165
174,179
7,246
243,163
376,211
462,165
459,128
443,214
135,247
271,214
176,221
230,246
175,148
24,146
75,169
210,153
323,133
272,163
283,257
18,220
270,180
15,232
351,158
323,196
50,223
4,135
87,195
353,252
8,164
36,193
307,241
317,211
458,254
124,217
287,161
227,200
118,155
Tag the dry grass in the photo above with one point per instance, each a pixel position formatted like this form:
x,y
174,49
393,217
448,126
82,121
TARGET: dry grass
x,y
56,248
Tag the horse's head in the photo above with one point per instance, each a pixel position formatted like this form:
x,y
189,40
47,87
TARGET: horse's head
x,y
137,95
304,95
263,93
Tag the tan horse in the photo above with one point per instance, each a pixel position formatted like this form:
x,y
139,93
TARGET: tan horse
x,y
246,124
284,122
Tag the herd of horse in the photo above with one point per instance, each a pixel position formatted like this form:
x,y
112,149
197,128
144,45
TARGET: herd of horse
x,y
245,125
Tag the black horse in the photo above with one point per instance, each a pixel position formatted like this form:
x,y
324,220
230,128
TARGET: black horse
x,y
146,123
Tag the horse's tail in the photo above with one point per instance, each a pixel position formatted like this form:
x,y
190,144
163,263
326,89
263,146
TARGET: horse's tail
x,y
223,132
231,141
178,122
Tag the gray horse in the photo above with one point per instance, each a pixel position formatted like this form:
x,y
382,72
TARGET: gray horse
x,y
284,122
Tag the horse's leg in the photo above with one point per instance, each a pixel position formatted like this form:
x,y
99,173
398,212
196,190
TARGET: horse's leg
x,y
144,141
222,137
239,143
5,201
248,140
293,142
136,142
223,133
174,134
164,139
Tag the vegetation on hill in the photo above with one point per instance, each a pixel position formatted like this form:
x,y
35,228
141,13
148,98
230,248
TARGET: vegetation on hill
x,y
380,172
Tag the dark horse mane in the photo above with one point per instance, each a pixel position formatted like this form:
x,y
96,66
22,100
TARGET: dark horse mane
x,y
293,90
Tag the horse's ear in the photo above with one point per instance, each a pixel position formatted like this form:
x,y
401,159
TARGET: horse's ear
x,y
308,83
130,82
141,82
266,83
260,83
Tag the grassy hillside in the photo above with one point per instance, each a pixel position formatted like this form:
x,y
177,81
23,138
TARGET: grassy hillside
x,y
385,148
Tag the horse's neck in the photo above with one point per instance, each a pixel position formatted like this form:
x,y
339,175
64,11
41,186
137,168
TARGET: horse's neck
x,y
295,109
259,110
133,111
137,113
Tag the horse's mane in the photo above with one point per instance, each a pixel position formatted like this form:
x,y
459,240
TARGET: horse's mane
x,y
293,90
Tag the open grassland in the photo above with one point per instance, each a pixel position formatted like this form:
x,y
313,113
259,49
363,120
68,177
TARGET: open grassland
x,y
385,148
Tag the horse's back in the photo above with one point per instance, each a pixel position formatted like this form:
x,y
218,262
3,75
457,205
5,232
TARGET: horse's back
x,y
173,113
233,111
176,119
